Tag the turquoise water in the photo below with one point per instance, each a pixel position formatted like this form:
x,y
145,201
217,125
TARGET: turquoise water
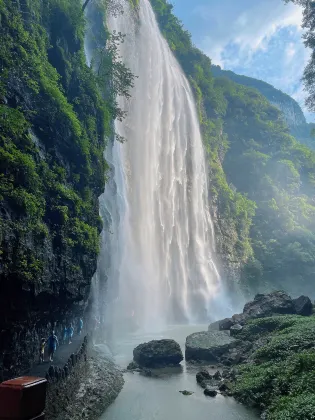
x,y
158,398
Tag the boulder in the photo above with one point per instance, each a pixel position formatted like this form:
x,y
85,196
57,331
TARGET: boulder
x,y
303,306
133,366
264,305
158,353
215,326
186,393
210,392
217,376
235,329
208,345
226,324
203,376
239,319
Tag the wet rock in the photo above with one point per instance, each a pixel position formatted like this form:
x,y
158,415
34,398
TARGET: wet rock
x,y
203,377
186,392
158,353
217,376
133,366
210,392
208,345
303,306
235,329
264,305
226,324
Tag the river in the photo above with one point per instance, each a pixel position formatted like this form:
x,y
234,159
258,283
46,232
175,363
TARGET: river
x,y
158,398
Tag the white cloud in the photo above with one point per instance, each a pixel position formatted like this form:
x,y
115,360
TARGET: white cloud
x,y
251,30
290,52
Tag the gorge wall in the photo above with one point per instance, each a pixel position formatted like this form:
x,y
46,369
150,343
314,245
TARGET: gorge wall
x,y
53,125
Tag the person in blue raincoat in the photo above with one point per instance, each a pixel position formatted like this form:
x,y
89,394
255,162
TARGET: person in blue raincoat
x,y
80,326
65,335
52,344
70,332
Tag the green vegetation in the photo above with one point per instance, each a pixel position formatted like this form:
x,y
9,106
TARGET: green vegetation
x,y
262,179
299,128
53,126
281,375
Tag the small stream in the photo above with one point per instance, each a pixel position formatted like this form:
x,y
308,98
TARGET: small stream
x,y
151,398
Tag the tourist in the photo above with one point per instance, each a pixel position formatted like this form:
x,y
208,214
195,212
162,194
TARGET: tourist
x,y
80,326
65,335
52,345
42,350
70,333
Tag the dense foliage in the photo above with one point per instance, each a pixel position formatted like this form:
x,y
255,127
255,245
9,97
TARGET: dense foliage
x,y
281,375
53,126
261,178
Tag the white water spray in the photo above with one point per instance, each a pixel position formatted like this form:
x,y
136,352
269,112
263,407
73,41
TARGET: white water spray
x,y
158,257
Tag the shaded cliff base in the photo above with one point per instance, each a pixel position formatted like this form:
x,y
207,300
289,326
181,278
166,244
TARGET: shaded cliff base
x,y
91,385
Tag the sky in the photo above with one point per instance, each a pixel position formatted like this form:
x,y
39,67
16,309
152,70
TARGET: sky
x,y
257,38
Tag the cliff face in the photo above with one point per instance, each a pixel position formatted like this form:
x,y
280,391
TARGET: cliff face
x,y
53,123
291,110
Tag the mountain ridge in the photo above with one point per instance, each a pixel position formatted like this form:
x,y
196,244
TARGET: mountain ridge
x,y
290,108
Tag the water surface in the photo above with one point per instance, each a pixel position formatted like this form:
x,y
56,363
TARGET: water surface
x,y
147,398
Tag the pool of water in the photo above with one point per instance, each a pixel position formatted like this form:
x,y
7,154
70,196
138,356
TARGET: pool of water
x,y
158,398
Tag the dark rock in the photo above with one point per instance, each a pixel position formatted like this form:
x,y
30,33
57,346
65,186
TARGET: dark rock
x,y
217,376
186,392
264,305
203,376
226,324
303,306
210,392
223,387
239,319
66,370
235,329
51,372
208,345
133,366
158,353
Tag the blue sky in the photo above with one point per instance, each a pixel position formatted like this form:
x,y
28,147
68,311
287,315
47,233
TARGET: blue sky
x,y
258,38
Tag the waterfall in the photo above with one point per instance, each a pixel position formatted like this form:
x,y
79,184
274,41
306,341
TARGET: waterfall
x,y
158,257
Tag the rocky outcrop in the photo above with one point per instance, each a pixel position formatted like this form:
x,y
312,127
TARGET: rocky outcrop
x,y
208,346
264,305
158,353
90,386
53,162
303,306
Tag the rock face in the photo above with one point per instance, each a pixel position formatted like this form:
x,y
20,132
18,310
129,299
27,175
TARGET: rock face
x,y
264,305
226,324
158,353
303,306
208,345
235,329
49,228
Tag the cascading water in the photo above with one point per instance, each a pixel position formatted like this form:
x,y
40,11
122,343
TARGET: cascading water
x,y
158,255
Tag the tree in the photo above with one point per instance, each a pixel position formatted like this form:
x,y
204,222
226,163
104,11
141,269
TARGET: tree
x,y
309,41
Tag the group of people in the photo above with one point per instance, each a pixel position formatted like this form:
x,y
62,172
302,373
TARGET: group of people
x,y
52,342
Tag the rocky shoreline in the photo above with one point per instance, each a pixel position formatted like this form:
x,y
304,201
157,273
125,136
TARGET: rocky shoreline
x,y
263,357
